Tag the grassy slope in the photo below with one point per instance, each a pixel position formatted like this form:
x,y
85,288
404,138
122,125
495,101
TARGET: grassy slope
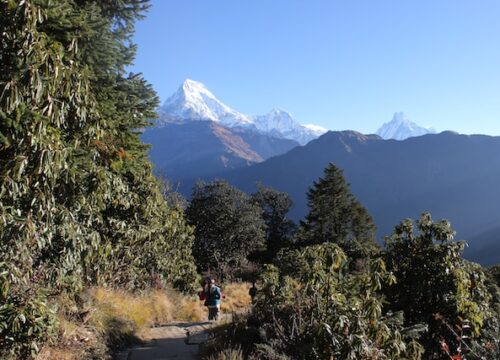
x,y
103,320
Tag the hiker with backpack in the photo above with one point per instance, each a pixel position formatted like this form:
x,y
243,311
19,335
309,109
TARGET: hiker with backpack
x,y
212,295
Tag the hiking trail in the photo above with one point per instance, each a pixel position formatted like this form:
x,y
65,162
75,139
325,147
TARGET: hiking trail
x,y
170,342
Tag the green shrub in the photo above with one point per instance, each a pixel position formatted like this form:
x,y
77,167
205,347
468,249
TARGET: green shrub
x,y
79,203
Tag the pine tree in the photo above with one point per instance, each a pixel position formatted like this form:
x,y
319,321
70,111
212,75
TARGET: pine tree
x,y
336,216
279,229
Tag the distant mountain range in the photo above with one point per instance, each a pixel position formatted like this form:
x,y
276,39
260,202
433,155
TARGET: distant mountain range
x,y
399,173
197,135
194,102
453,176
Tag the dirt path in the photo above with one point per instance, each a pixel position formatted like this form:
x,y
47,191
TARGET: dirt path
x,y
169,342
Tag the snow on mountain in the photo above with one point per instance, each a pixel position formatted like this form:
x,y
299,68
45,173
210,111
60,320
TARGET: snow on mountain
x,y
194,102
401,128
280,123
320,130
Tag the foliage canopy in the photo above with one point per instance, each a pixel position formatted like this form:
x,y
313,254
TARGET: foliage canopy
x,y
228,226
78,203
279,229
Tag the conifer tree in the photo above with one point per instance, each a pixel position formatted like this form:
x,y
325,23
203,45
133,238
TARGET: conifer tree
x,y
336,216
279,229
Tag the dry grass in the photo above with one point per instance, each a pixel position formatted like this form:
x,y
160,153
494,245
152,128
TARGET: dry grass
x,y
228,354
117,308
113,317
237,299
75,341
142,311
51,353
192,310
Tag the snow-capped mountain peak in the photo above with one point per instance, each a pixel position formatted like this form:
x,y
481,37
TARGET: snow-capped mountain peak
x,y
320,130
280,123
276,119
401,128
194,102
280,112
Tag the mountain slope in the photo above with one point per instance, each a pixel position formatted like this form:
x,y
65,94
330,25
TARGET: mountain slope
x,y
454,176
194,102
201,148
401,128
280,123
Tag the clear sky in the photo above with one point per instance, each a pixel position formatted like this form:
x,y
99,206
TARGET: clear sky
x,y
341,64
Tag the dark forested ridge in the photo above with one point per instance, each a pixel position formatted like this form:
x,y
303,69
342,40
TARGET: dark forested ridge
x,y
454,176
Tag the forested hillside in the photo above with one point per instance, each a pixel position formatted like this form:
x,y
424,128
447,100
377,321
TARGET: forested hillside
x,y
79,204
451,175
330,292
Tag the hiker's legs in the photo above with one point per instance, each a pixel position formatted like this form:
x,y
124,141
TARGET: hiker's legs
x,y
211,313
216,312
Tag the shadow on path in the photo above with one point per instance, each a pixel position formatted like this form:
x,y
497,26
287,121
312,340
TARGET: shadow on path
x,y
170,341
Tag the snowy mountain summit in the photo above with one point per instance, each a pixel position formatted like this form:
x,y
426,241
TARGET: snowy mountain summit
x,y
401,128
194,102
280,123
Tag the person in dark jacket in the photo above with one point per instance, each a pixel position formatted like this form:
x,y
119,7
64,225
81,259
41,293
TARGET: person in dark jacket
x,y
213,301
212,295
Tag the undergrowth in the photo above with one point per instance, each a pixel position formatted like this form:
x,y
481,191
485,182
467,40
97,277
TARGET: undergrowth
x,y
236,298
102,320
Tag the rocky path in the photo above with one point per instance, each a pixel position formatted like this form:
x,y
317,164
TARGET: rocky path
x,y
170,342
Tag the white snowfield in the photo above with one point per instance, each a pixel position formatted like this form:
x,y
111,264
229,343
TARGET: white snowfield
x,y
194,102
401,128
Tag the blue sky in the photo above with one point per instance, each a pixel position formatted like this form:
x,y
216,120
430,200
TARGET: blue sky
x,y
341,64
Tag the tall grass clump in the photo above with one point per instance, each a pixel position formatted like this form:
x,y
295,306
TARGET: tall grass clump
x,y
228,354
237,298
105,319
